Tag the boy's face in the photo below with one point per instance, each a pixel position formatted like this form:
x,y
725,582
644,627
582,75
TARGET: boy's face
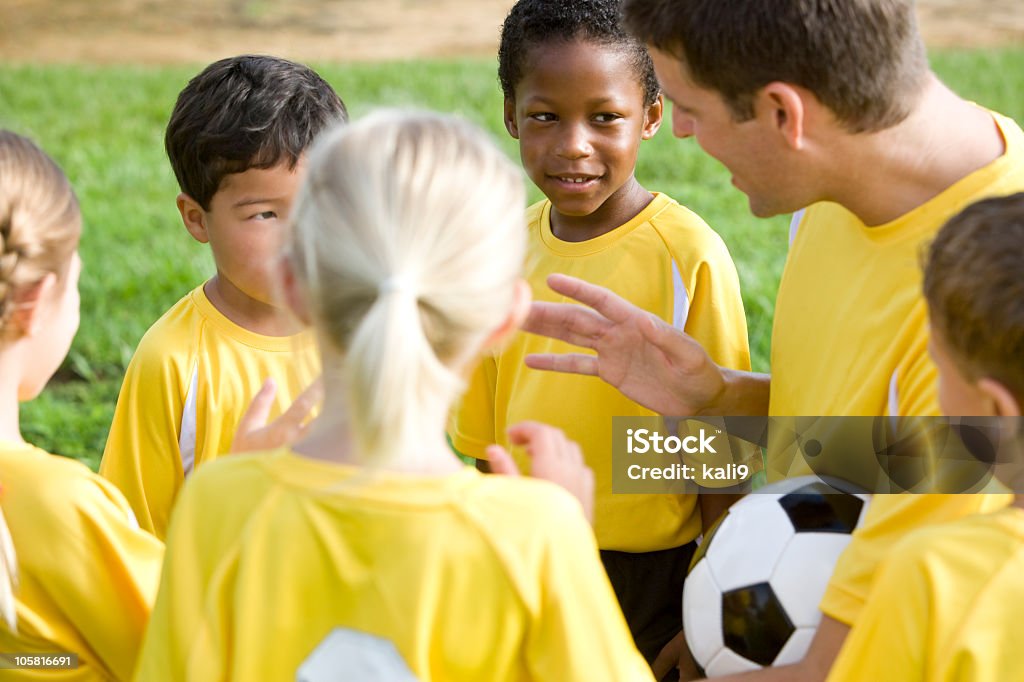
x,y
579,116
246,227
959,396
747,149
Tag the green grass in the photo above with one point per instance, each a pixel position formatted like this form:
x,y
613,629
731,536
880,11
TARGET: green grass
x,y
104,125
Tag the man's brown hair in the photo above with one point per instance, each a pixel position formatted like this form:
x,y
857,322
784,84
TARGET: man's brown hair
x,y
863,59
974,285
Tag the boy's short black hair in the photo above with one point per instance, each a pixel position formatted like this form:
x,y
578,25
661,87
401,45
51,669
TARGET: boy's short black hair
x,y
531,23
250,111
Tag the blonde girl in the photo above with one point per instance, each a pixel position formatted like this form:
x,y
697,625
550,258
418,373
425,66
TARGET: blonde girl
x,y
367,551
86,575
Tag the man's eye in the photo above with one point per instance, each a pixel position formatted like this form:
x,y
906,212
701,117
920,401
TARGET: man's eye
x,y
265,215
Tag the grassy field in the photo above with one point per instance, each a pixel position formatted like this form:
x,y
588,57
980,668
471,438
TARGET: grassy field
x,y
105,127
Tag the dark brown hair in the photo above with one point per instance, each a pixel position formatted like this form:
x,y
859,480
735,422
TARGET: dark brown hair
x,y
251,111
974,285
863,59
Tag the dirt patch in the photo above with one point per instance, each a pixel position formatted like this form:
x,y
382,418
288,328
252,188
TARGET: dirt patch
x,y
199,31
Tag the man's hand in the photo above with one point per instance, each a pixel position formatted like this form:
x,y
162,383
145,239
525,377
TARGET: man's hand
x,y
254,433
651,362
553,457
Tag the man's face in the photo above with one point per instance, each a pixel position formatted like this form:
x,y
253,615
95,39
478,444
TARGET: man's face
x,y
246,226
750,150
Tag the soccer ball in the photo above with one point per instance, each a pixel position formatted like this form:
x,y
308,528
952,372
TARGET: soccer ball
x,y
751,597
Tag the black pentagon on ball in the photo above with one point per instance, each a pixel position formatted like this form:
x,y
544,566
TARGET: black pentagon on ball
x,y
819,508
754,623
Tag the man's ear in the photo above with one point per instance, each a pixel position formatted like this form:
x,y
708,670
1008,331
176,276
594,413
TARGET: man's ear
x,y
291,288
511,124
193,216
785,105
653,117
1005,404
521,298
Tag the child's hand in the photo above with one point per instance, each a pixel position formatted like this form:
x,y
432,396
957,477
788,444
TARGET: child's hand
x,y
254,433
553,458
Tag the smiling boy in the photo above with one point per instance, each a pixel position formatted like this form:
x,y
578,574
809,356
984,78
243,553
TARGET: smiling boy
x,y
236,141
580,96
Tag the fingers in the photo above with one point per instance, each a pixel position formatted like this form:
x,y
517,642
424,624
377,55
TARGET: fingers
x,y
569,363
501,462
565,321
296,414
604,301
256,414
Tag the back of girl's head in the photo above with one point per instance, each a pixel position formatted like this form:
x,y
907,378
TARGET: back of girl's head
x,y
408,241
534,23
39,220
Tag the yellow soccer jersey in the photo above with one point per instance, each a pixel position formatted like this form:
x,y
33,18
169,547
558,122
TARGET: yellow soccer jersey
x,y
851,338
87,574
665,260
191,379
945,607
280,567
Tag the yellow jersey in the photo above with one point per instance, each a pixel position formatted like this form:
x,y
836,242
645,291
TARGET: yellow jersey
x,y
279,564
850,338
87,574
190,381
665,260
945,607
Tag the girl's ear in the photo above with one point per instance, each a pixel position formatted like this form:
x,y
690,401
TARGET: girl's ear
x,y
653,117
521,299
25,316
511,124
192,215
294,296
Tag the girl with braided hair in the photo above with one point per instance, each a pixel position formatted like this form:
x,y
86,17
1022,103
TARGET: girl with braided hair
x,y
86,574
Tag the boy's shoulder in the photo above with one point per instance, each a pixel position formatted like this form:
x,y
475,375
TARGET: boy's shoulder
x,y
975,543
173,336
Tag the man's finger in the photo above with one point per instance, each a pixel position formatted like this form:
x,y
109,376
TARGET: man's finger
x,y
604,301
567,322
567,363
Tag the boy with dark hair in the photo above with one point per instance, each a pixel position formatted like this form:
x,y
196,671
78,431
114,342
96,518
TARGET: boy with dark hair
x,y
580,96
829,106
945,604
236,141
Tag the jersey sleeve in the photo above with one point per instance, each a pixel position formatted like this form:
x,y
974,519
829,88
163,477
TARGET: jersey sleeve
x,y
471,423
580,632
888,641
102,572
142,456
716,317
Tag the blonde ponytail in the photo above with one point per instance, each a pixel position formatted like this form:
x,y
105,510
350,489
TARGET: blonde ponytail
x,y
8,574
409,239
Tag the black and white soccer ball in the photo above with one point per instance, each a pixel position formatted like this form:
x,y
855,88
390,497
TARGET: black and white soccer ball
x,y
752,594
